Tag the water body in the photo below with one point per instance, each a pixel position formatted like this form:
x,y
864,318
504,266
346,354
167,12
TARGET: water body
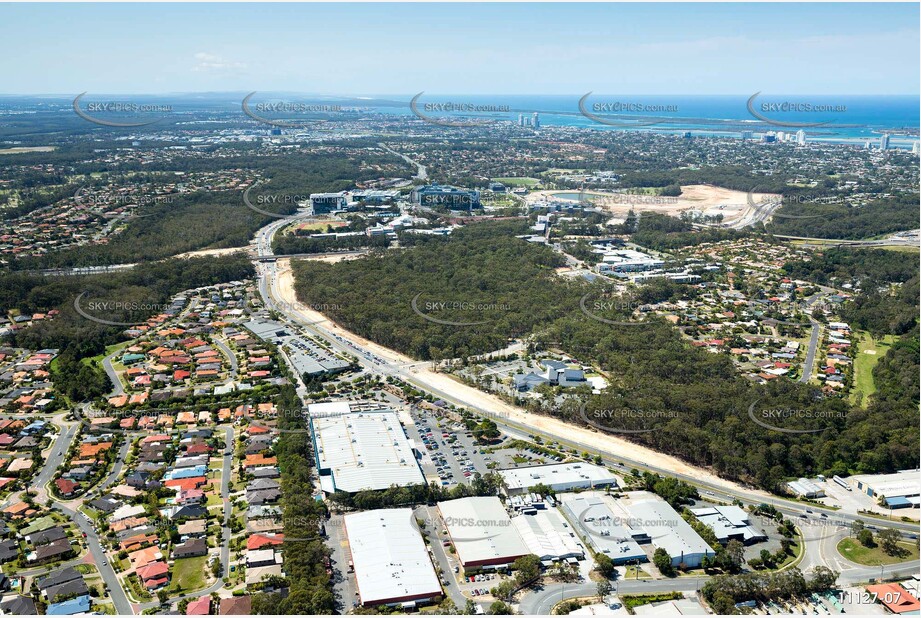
x,y
846,118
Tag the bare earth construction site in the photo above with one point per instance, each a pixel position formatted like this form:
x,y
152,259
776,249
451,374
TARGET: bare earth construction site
x,y
738,208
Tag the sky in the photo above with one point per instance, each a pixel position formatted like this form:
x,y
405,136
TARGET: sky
x,y
355,49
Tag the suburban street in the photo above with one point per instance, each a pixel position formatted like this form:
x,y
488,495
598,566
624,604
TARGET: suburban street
x,y
226,471
231,357
809,361
117,386
122,605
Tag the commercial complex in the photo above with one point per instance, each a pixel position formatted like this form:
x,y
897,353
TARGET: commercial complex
x,y
391,562
608,532
621,262
558,477
327,202
548,536
482,532
669,531
446,196
305,355
895,491
729,523
363,450
804,488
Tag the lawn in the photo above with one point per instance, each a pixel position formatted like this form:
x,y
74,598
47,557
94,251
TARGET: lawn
x,y
322,225
188,574
91,513
864,363
214,500
635,572
89,360
523,181
875,556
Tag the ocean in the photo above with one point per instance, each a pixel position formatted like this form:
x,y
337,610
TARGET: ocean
x,y
846,118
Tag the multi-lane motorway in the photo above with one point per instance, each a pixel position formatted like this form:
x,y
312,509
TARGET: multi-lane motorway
x,y
817,548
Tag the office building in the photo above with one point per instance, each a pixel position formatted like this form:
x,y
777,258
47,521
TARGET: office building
x,y
607,528
669,531
804,488
327,202
548,536
446,196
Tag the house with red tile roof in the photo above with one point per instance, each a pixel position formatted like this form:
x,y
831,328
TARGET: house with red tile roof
x,y
199,607
896,598
66,487
236,606
154,575
260,541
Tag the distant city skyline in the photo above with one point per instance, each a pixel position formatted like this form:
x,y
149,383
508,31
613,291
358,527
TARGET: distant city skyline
x,y
354,49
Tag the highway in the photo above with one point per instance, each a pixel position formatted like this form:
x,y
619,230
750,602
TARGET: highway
x,y
421,171
268,280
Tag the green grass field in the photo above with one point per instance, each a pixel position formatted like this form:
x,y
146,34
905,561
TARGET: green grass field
x,y
188,574
855,552
864,364
524,181
321,225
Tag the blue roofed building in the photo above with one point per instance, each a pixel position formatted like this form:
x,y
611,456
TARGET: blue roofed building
x,y
77,605
186,473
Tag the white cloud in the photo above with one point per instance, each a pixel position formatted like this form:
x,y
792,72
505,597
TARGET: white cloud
x,y
213,63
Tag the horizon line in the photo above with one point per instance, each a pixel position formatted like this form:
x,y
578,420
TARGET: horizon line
x,y
434,93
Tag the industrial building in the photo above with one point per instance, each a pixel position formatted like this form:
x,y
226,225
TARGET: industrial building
x,y
548,536
391,562
482,532
608,532
729,523
669,531
558,477
804,488
363,451
895,491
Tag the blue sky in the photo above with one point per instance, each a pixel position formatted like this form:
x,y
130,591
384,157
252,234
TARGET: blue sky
x,y
839,48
